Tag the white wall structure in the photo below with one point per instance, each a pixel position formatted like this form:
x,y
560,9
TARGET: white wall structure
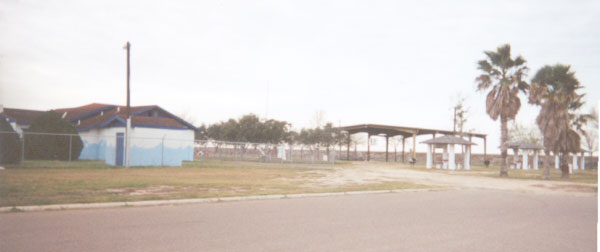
x,y
429,163
536,159
467,157
525,154
445,158
147,147
575,164
451,157
556,162
164,147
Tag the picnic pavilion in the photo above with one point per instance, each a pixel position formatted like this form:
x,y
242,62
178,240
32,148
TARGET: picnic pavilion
x,y
525,149
388,131
448,143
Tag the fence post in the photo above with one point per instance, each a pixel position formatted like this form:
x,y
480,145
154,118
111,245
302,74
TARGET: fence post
x,y
23,148
70,142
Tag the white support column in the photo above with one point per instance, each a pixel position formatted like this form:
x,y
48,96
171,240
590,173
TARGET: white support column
x,y
536,159
575,164
525,159
556,162
515,158
451,157
429,154
467,157
583,160
445,158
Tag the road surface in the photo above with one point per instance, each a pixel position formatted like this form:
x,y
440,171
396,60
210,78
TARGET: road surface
x,y
454,220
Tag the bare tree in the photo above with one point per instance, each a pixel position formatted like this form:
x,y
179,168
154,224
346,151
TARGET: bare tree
x,y
460,114
591,132
519,132
396,140
318,119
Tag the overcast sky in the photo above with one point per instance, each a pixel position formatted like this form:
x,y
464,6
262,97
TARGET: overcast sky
x,y
385,62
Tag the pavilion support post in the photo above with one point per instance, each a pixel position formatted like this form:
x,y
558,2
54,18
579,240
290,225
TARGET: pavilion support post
x,y
403,149
536,159
348,148
575,164
434,150
445,157
470,137
556,161
395,153
387,141
484,148
451,157
369,147
414,150
583,160
515,158
429,161
467,157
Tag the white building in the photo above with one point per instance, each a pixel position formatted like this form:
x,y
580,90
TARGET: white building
x,y
155,136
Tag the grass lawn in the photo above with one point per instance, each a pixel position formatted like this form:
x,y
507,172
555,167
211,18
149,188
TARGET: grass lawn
x,y
55,182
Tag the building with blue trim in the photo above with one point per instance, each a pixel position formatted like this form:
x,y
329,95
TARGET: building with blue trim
x,y
156,137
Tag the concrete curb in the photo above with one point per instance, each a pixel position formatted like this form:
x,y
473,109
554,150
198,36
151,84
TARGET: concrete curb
x,y
201,200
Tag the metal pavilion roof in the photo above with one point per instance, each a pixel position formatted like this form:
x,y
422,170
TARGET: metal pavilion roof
x,y
390,131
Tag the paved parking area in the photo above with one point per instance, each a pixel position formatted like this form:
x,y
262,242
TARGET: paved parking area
x,y
455,220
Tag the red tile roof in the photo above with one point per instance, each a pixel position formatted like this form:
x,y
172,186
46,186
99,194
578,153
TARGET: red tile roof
x,y
101,119
156,121
75,112
22,116
99,115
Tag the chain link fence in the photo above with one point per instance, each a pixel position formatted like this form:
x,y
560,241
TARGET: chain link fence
x,y
264,152
161,151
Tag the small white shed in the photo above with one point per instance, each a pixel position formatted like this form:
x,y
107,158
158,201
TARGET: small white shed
x,y
449,157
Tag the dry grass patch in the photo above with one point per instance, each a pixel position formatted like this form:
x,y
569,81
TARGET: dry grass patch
x,y
52,182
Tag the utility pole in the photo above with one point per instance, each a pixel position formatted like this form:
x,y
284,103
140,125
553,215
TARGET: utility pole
x,y
128,119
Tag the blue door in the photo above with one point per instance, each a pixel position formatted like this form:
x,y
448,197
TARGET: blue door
x,y
120,143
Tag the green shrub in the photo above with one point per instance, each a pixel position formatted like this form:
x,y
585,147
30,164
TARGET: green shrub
x,y
52,147
10,143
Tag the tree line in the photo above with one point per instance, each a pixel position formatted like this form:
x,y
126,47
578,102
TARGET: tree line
x,y
554,88
249,129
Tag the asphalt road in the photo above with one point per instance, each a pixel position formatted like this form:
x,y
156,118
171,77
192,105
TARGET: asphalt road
x,y
466,220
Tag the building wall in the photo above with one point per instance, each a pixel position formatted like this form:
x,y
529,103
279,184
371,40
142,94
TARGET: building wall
x,y
147,147
160,147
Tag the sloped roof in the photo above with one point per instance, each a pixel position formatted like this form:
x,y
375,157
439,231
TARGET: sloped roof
x,y
97,115
81,112
389,130
104,117
448,140
21,116
523,145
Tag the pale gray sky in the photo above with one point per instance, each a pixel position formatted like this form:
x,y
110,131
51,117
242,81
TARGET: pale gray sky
x,y
385,62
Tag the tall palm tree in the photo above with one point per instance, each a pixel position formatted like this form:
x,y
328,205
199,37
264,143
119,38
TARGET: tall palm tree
x,y
554,89
505,76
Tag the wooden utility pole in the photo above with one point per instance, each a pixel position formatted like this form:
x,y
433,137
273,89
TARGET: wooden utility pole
x,y
127,47
127,119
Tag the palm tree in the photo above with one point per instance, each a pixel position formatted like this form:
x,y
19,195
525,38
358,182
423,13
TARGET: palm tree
x,y
554,89
504,76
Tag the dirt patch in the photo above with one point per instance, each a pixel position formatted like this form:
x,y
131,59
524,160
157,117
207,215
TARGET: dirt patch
x,y
369,173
